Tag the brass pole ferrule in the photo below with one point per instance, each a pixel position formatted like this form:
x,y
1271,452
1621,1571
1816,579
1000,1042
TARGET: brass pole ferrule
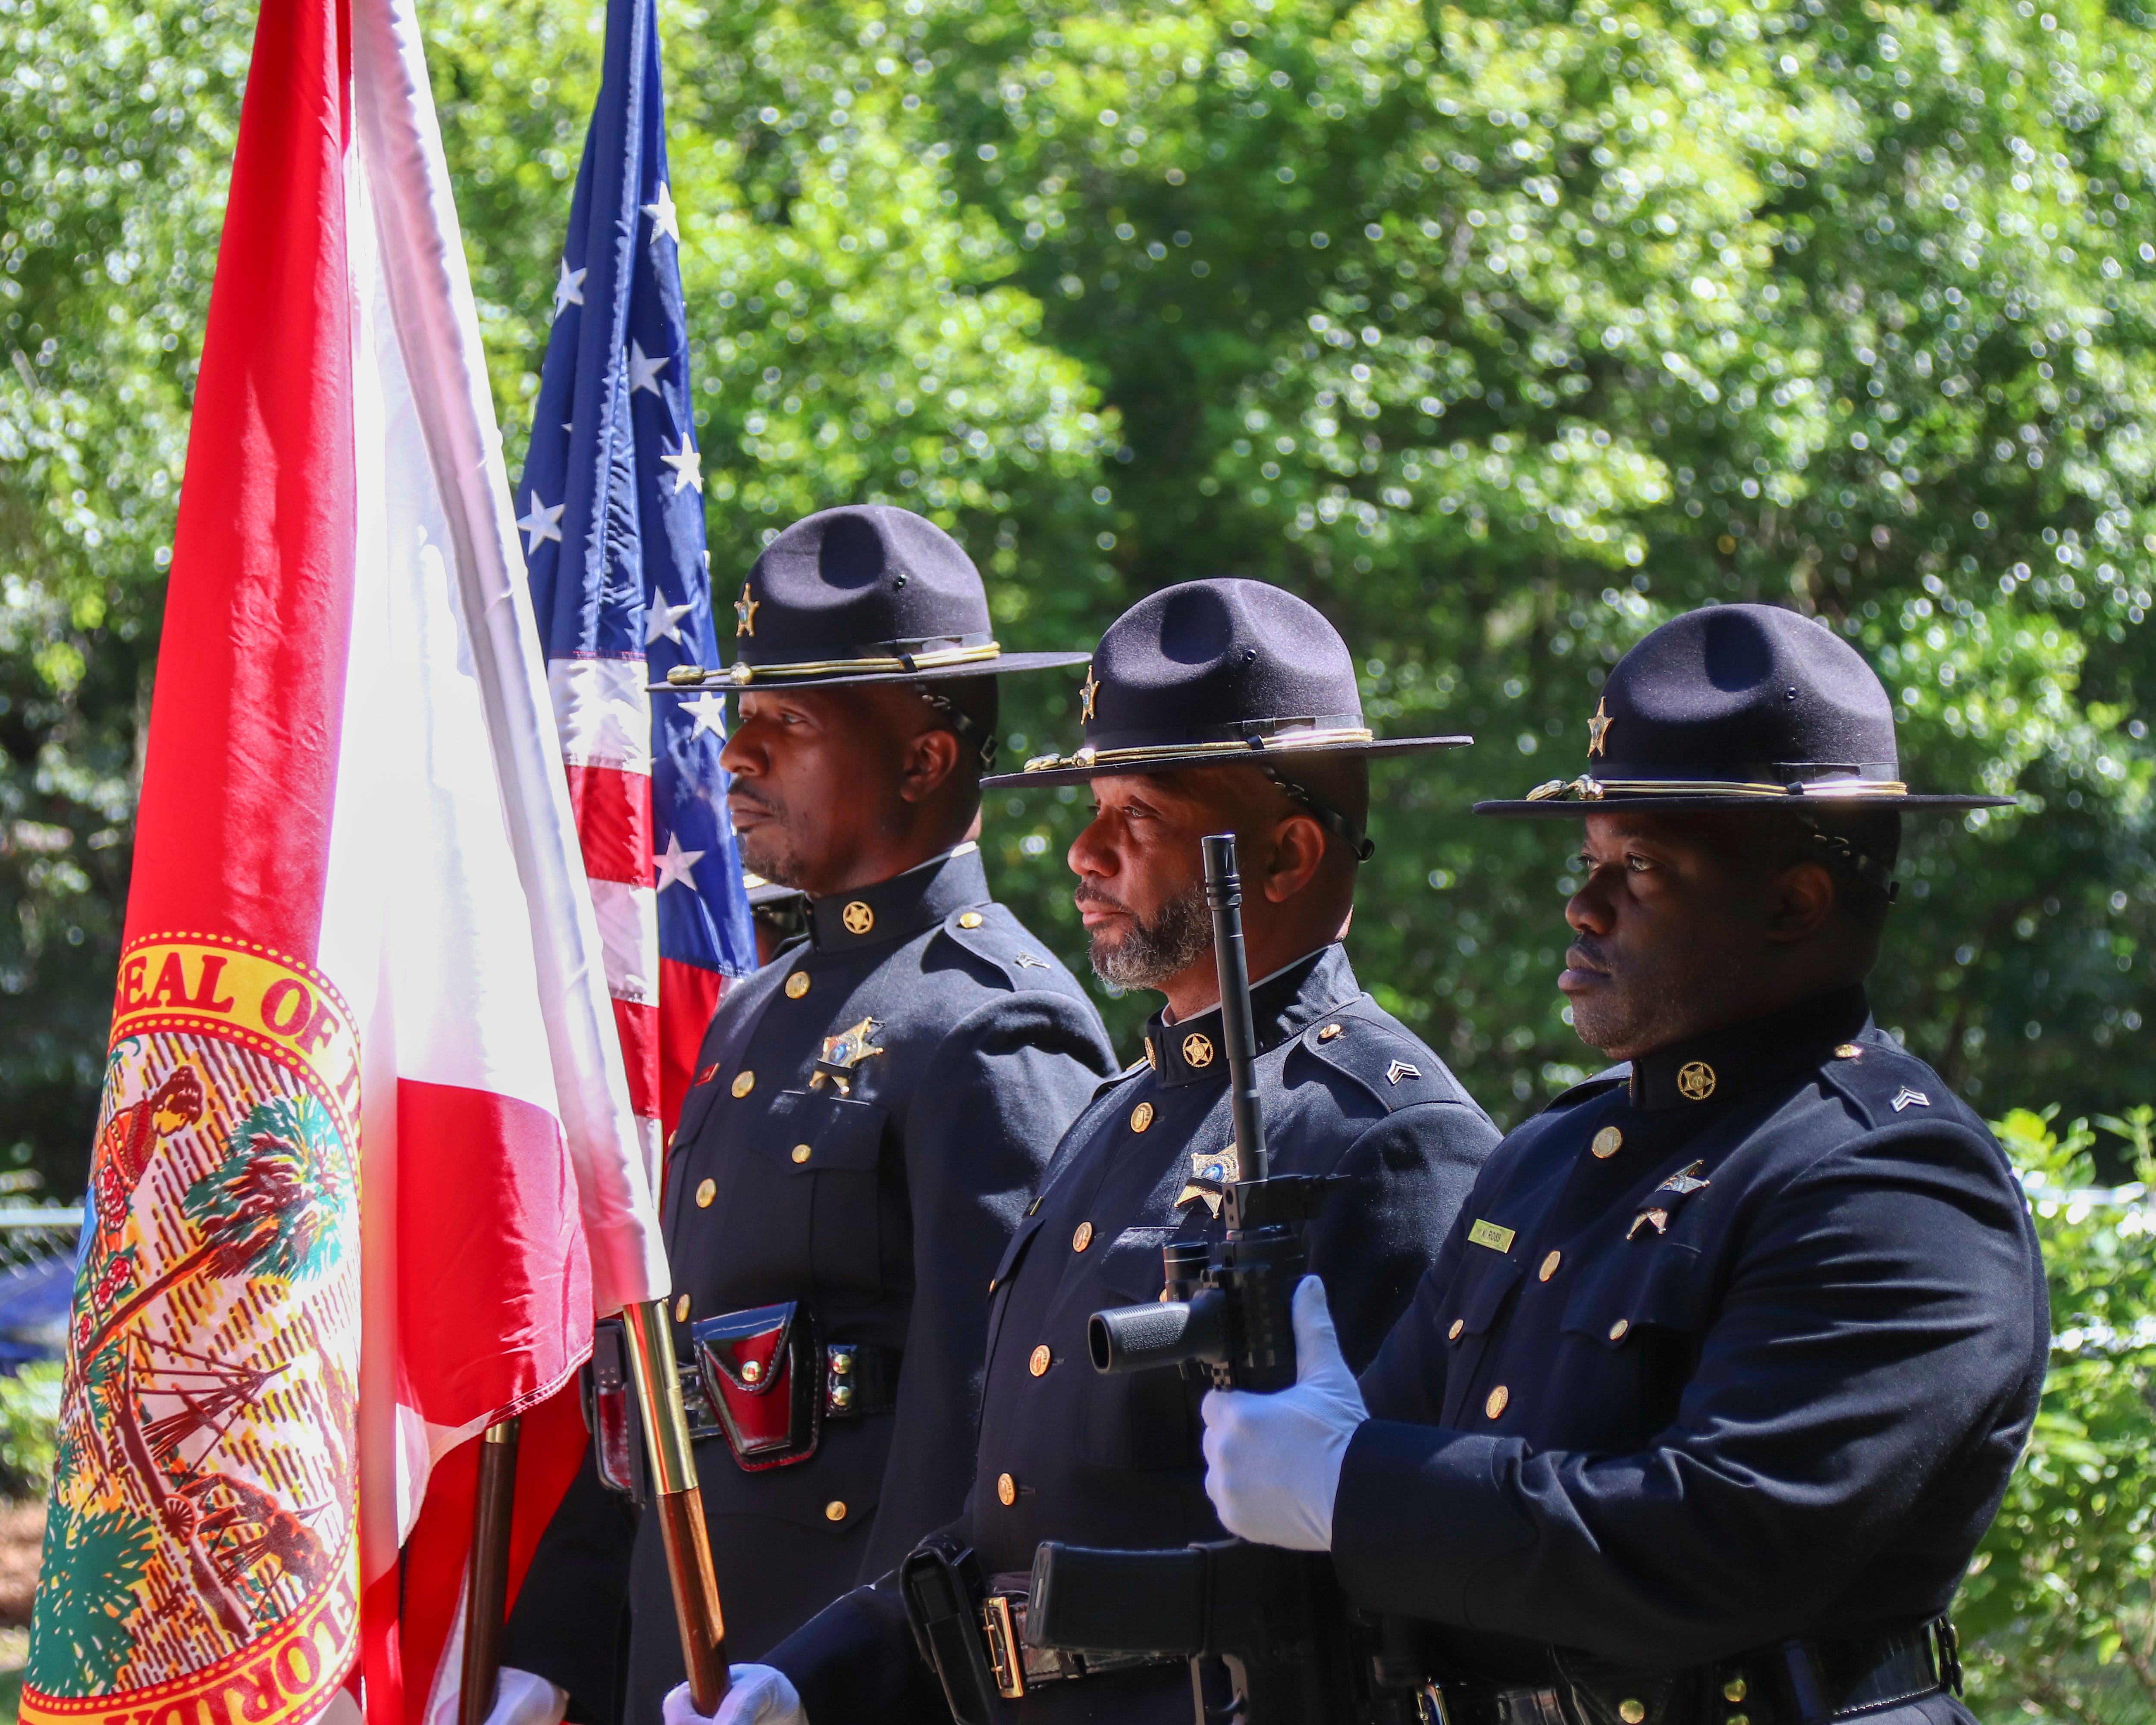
x,y
658,1396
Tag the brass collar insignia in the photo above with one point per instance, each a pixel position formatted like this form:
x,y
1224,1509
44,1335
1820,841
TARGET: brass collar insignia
x,y
1198,1048
1696,1081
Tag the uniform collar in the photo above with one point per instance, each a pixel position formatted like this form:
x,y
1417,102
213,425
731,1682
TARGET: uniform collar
x,y
1284,1004
1725,1063
904,905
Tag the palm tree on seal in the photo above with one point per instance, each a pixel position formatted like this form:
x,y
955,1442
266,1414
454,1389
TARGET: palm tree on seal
x,y
268,1209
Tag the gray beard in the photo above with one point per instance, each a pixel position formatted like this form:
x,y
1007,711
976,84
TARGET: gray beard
x,y
1146,954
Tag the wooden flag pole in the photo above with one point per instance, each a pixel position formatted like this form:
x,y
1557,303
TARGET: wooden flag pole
x,y
486,1574
678,1502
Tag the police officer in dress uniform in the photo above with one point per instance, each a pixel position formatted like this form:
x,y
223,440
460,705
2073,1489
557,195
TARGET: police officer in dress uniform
x,y
1700,1414
871,1113
1213,705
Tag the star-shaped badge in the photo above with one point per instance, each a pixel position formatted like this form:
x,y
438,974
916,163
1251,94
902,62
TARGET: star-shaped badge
x,y
745,610
1598,728
1685,1180
1088,692
843,1052
1212,1173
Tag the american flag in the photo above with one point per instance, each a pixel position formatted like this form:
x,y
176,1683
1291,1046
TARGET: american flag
x,y
613,518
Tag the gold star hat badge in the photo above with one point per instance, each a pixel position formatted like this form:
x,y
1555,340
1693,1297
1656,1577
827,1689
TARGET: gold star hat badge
x,y
843,1053
745,610
1089,691
1598,728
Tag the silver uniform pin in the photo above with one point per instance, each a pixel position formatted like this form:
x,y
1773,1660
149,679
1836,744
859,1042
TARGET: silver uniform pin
x,y
1908,1098
1399,1069
1687,1180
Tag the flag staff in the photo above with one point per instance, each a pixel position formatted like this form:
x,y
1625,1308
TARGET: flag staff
x,y
486,1576
680,1502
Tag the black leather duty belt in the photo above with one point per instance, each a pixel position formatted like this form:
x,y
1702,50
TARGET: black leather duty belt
x,y
1794,1683
860,1379
1019,1667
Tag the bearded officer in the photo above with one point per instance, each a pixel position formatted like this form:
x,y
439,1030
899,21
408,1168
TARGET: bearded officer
x,y
871,1112
1699,1417
1213,705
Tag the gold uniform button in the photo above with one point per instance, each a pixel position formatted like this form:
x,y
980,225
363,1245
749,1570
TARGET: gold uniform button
x,y
1141,1117
1847,1051
1631,1711
801,1153
1328,1033
1083,1238
796,985
1006,1489
1607,1143
705,1192
1733,1690
972,919
1495,1404
681,1310
1619,1330
834,1510
1458,1325
744,1082
858,917
1549,1266
1040,1361
1739,1719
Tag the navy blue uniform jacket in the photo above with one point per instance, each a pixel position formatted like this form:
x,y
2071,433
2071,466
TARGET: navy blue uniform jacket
x,y
986,1049
1737,1345
1067,1454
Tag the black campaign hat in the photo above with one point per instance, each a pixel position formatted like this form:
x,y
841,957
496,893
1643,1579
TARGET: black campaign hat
x,y
1739,706
866,593
1218,673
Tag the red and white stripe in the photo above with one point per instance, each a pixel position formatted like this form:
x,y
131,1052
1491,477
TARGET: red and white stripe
x,y
604,716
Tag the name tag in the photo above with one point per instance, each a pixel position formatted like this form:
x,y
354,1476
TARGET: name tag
x,y
1490,1235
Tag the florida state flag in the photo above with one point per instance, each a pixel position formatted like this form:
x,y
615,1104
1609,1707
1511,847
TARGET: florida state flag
x,y
365,1163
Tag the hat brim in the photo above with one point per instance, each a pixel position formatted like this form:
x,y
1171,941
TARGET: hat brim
x,y
1283,758
1561,808
724,681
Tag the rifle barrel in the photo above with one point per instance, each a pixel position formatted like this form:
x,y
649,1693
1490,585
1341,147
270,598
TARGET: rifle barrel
x,y
1224,897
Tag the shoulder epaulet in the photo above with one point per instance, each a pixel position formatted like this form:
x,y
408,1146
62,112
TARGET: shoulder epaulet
x,y
1883,1083
1366,1044
1607,1078
990,932
1115,1079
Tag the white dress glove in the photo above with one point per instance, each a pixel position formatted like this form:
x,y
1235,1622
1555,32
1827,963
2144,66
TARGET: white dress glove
x,y
527,1698
761,1695
1272,1462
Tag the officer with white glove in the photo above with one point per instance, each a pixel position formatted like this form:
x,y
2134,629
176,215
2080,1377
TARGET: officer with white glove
x,y
1272,1462
757,1695
527,1698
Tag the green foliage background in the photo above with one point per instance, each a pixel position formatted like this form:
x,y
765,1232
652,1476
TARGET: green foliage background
x,y
1501,329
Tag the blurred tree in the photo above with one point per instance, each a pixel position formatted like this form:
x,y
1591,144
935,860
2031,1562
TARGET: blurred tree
x,y
2059,1613
115,142
1501,331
